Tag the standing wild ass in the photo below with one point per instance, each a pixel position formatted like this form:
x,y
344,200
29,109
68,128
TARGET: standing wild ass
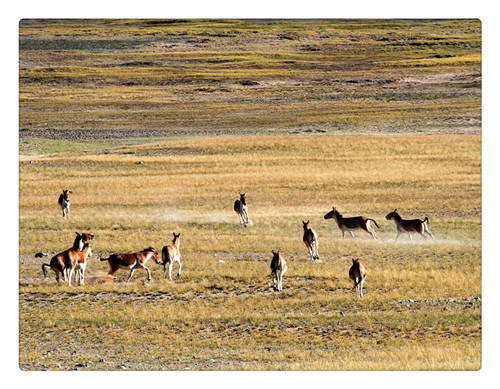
x,y
241,208
352,223
77,263
409,226
171,254
64,203
278,269
58,262
310,239
357,273
132,261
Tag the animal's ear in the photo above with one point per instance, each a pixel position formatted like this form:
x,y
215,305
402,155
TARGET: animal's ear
x,y
333,208
395,210
77,233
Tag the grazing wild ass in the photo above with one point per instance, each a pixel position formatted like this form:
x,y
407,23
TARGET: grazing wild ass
x,y
357,273
278,269
64,203
310,239
409,226
132,261
352,223
171,254
78,263
240,207
58,262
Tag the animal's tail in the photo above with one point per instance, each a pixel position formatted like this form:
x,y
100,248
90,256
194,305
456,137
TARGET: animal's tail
x,y
358,281
426,220
374,222
103,259
43,269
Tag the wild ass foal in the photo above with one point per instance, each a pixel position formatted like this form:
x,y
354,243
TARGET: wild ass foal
x,y
171,254
352,223
64,203
58,262
410,225
278,269
357,273
132,261
78,263
310,239
241,208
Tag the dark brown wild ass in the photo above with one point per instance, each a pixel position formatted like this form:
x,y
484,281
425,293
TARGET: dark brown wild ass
x,y
310,239
352,223
171,254
59,261
278,269
410,225
64,203
132,261
357,273
241,208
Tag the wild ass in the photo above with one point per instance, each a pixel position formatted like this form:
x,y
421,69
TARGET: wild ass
x,y
278,269
78,263
132,261
171,254
310,239
64,203
58,262
409,226
241,208
352,223
357,273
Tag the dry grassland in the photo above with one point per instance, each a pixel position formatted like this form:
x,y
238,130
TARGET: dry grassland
x,y
422,301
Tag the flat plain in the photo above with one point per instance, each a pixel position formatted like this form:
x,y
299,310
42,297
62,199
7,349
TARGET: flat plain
x,y
157,125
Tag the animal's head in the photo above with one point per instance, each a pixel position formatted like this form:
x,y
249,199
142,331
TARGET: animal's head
x,y
66,194
355,261
391,215
156,257
276,255
331,214
85,237
176,236
87,248
243,198
305,224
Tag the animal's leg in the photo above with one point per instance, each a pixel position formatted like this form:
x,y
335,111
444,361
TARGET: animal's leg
x,y
280,280
180,268
316,244
361,287
149,272
343,234
170,266
397,236
352,234
165,270
426,230
131,274
409,235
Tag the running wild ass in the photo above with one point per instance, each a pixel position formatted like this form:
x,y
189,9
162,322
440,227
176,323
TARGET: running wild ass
x,y
278,269
171,254
409,226
64,203
310,239
58,262
78,264
132,261
357,273
352,223
240,207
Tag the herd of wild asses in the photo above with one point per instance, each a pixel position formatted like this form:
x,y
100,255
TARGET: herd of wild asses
x,y
74,260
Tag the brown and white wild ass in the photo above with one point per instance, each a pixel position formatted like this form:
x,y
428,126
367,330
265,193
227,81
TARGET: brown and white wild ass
x,y
58,262
64,203
171,254
278,269
241,208
352,223
409,225
78,263
357,273
310,239
132,261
